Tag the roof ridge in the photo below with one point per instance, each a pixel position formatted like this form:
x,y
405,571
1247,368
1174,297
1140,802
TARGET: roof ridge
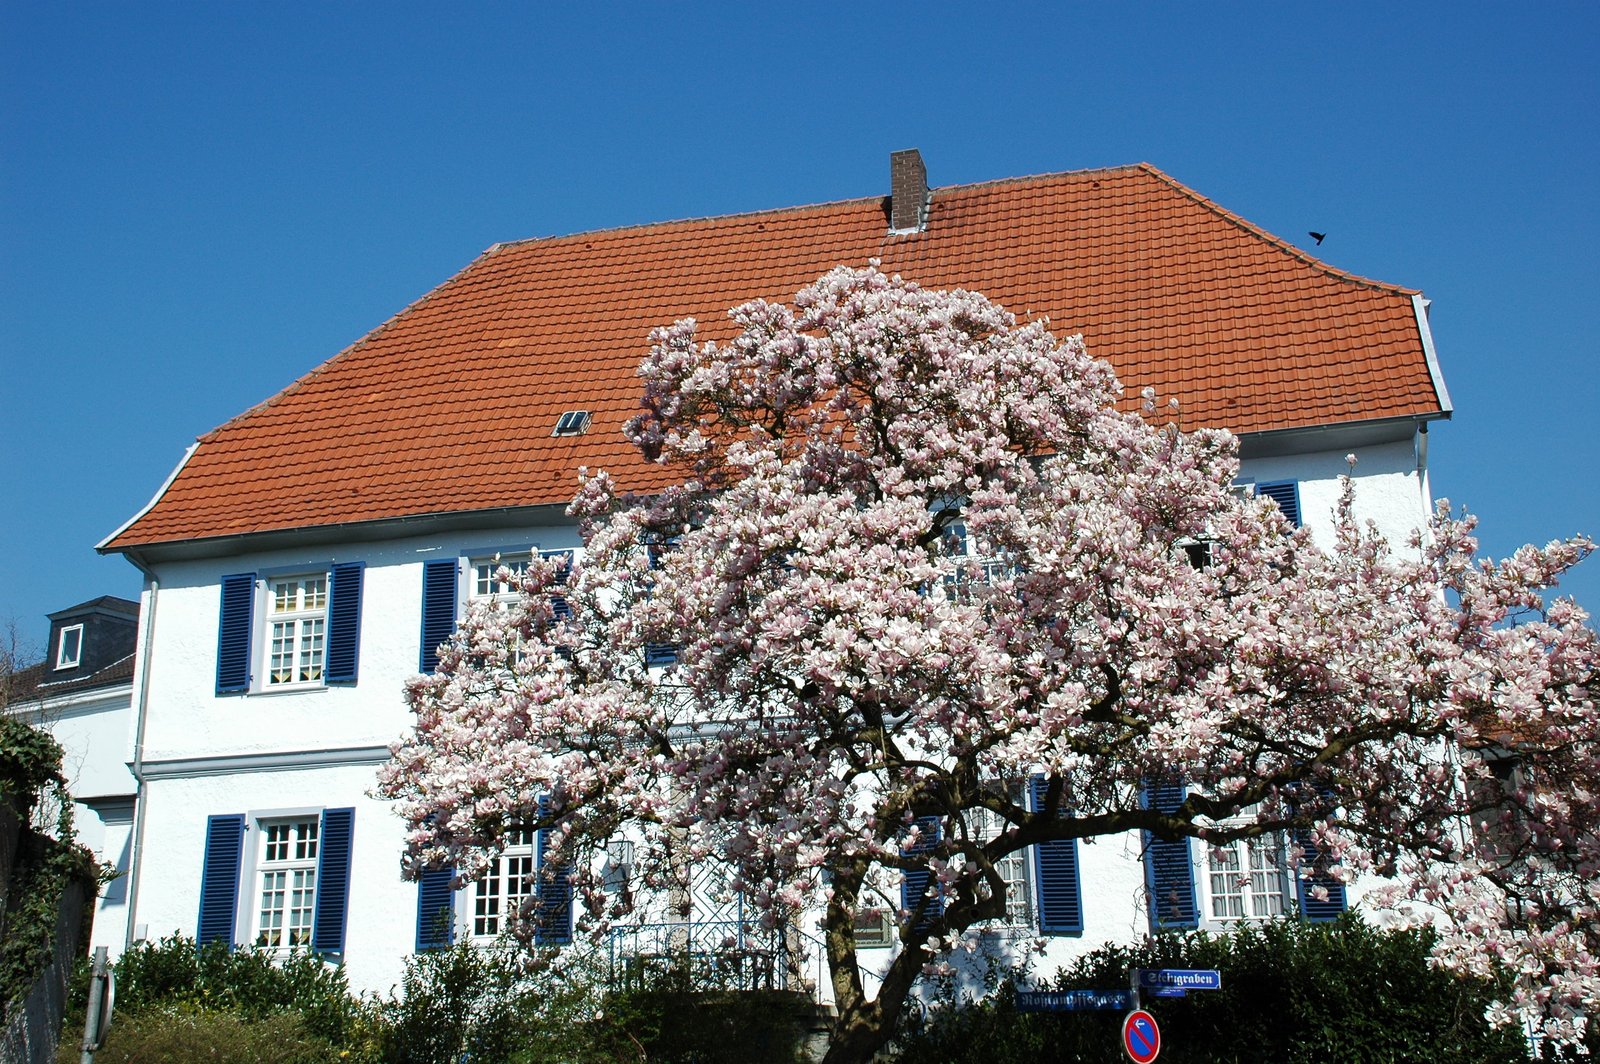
x,y
767,212
498,246
360,342
1277,242
315,371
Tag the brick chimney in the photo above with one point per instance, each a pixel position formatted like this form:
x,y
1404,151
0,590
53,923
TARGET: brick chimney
x,y
908,191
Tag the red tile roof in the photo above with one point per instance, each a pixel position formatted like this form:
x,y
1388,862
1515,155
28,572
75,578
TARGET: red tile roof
x,y
449,406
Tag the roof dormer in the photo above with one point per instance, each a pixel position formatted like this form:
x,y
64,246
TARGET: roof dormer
x,y
89,636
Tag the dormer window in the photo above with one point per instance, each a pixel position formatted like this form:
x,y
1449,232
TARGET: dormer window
x,y
69,650
572,423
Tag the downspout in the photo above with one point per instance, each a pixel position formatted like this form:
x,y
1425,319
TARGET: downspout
x,y
147,624
152,585
1422,469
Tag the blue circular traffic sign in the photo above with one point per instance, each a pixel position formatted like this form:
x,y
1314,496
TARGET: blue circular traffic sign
x,y
1141,1038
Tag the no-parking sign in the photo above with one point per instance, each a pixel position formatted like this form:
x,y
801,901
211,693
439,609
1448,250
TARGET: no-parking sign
x,y
1141,1038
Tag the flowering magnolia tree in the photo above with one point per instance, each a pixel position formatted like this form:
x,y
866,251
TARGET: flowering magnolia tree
x,y
916,555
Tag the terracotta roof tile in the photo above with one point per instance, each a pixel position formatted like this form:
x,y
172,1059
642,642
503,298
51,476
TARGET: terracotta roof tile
x,y
449,405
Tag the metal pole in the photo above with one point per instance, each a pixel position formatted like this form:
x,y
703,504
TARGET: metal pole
x,y
91,1020
1133,988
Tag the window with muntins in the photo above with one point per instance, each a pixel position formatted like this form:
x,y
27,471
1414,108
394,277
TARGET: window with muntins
x,y
287,875
1496,816
656,547
988,825
277,881
297,629
986,565
69,651
1248,879
486,581
510,882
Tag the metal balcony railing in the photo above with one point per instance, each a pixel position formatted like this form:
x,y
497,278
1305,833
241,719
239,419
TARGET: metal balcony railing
x,y
704,955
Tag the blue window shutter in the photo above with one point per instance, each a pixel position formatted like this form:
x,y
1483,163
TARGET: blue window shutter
x,y
1168,870
441,583
1055,873
558,599
554,890
233,632
1318,911
436,925
919,881
333,881
656,548
1286,493
344,621
219,879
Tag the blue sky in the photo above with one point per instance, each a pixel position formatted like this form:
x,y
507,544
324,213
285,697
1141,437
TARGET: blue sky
x,y
200,202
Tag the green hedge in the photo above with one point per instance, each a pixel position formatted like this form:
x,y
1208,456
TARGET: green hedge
x,y
252,984
471,1003
1292,993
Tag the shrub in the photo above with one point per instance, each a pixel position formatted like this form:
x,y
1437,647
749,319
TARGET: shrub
x,y
1292,992
456,1001
182,1034
253,984
486,1004
483,1004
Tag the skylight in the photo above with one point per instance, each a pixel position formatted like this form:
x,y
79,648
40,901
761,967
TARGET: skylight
x,y
572,423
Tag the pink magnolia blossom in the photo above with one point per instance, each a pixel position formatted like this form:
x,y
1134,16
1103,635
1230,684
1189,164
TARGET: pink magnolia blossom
x,y
916,552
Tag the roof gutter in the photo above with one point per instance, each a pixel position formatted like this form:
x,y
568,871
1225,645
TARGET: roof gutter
x,y
359,531
1343,434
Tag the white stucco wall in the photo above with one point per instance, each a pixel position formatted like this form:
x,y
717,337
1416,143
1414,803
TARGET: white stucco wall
x,y
94,730
187,720
110,827
380,931
1389,490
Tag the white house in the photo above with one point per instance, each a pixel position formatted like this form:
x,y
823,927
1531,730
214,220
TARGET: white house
x,y
305,557
82,692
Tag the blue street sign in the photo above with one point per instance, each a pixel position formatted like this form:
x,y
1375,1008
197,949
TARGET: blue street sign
x,y
1072,1000
1180,978
1166,992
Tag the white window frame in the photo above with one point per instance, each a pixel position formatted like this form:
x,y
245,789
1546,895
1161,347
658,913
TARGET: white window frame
x,y
509,883
482,585
1014,868
517,559
305,624
873,928
1253,875
957,542
62,661
283,867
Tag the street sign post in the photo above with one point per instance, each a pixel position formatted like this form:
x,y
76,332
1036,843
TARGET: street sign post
x,y
1141,1038
1072,1000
